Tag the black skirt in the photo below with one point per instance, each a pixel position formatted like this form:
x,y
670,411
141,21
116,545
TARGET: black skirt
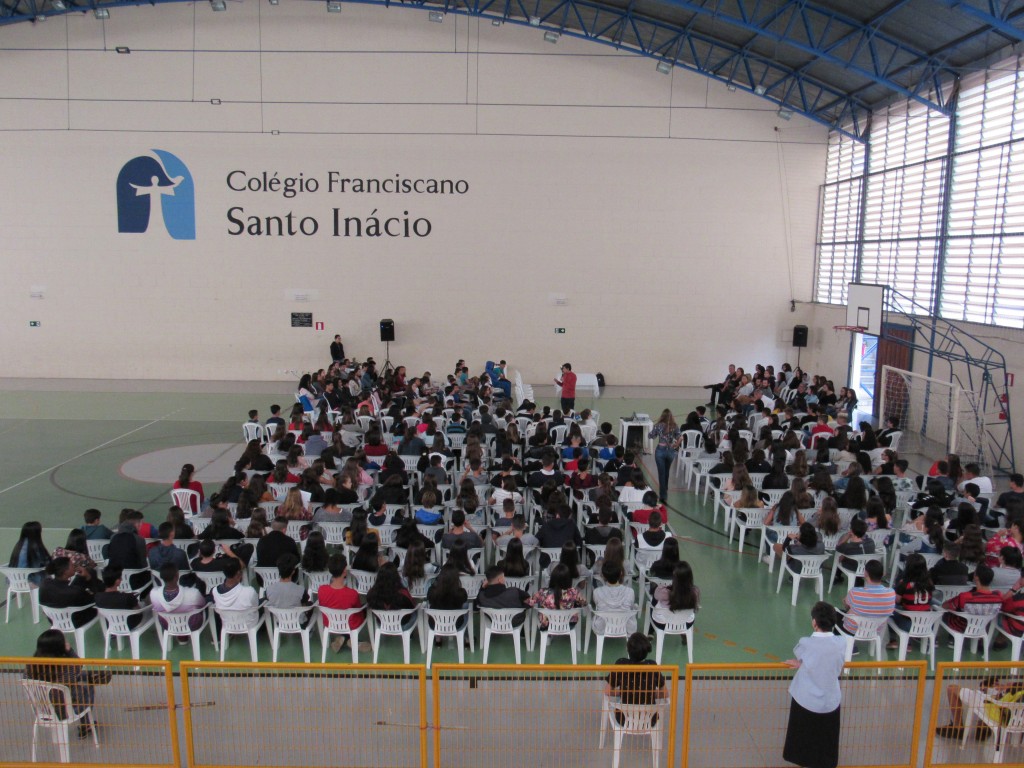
x,y
812,739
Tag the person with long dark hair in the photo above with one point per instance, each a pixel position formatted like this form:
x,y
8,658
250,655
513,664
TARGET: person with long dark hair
x,y
29,551
681,595
812,737
81,683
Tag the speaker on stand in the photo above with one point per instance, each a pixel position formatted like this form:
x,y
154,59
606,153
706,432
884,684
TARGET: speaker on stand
x,y
799,340
387,335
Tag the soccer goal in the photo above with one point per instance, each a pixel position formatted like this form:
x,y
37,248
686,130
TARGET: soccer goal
x,y
937,417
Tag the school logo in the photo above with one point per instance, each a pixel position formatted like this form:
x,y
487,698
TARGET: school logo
x,y
153,190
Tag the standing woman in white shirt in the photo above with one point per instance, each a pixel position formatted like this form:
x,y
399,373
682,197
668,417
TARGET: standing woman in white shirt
x,y
812,737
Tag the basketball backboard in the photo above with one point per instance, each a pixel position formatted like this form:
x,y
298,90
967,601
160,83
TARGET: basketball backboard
x,y
864,306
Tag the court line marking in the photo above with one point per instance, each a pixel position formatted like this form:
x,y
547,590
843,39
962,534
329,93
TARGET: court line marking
x,y
91,450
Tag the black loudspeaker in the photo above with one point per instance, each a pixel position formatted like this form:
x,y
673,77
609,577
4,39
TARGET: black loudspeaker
x,y
387,330
799,335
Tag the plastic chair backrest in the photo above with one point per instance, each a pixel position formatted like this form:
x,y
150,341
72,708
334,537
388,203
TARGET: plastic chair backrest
x,y
501,619
63,618
95,547
810,564
46,698
178,623
116,619
471,584
185,498
338,618
238,620
676,622
212,579
290,619
616,623
18,578
636,718
363,580
390,622
445,622
560,621
922,623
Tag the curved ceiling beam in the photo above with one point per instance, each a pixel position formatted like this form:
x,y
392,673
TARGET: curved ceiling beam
x,y
681,46
998,14
831,36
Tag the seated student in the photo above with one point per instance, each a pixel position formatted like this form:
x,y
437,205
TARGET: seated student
x,y
804,542
664,566
113,598
654,537
461,531
93,528
446,593
559,529
643,688
389,594
855,542
339,596
681,595
560,594
508,511
650,506
435,469
209,558
613,596
517,530
165,552
605,528
276,543
1008,571
981,595
287,592
233,595
495,593
68,587
176,598
949,570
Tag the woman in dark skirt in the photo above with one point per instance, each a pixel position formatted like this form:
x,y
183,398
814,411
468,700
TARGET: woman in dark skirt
x,y
812,738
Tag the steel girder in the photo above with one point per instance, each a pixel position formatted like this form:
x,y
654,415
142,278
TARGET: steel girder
x,y
998,14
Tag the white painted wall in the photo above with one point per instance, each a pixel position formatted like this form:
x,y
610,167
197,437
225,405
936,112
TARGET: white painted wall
x,y
676,218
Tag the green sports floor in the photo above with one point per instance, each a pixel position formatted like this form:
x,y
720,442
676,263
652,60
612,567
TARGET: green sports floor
x,y
62,452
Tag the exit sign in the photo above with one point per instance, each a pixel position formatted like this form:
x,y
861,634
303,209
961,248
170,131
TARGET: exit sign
x,y
559,330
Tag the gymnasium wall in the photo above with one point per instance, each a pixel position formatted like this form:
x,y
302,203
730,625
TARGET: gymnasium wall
x,y
663,221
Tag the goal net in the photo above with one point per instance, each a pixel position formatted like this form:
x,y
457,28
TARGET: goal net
x,y
937,417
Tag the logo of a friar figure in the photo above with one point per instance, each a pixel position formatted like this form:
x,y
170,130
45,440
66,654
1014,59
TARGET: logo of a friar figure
x,y
155,188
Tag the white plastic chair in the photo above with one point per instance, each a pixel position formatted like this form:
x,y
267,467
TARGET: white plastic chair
x,y
315,580
616,626
852,574
869,630
501,621
978,627
338,624
1013,712
246,621
267,576
18,584
45,699
810,568
1015,640
754,521
126,579
288,621
924,625
446,624
212,579
361,581
560,624
251,431
187,499
62,619
678,623
390,623
114,623
637,720
178,625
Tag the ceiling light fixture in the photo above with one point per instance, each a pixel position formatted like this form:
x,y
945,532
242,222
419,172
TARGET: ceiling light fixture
x,y
760,90
436,16
551,36
101,14
664,67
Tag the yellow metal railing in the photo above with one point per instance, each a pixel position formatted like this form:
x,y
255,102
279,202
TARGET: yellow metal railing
x,y
129,705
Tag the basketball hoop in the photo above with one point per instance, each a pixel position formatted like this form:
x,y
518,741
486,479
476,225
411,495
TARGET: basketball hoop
x,y
850,328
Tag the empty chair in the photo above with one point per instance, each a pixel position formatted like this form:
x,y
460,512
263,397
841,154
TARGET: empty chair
x,y
63,619
116,623
810,568
53,708
291,621
503,621
18,584
337,621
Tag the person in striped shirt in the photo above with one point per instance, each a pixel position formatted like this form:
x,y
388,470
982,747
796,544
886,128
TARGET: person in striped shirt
x,y
873,599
